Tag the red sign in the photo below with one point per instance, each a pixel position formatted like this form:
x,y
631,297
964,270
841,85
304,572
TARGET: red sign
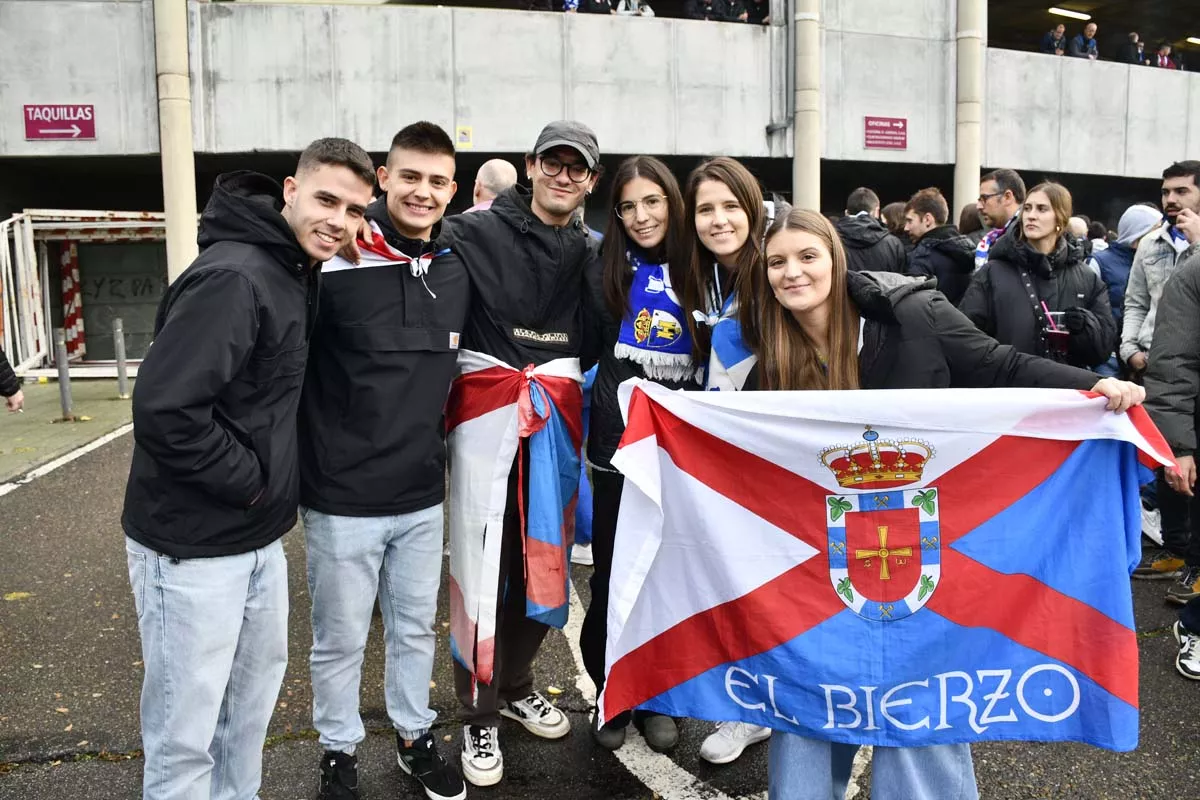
x,y
60,122
885,133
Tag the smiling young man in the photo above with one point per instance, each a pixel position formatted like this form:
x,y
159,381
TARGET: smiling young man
x,y
372,462
526,257
213,485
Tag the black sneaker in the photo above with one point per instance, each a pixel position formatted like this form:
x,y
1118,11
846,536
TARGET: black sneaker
x,y
423,761
339,776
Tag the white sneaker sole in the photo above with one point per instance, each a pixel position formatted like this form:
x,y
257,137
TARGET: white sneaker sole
x,y
1179,667
556,732
761,736
428,793
482,777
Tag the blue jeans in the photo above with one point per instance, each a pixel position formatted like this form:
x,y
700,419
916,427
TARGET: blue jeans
x,y
350,560
800,768
214,645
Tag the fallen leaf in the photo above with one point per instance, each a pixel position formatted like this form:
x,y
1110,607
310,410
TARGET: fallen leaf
x,y
554,690
38,666
58,695
63,710
433,684
55,763
137,663
283,704
83,418
445,624
115,616
97,694
68,728
446,738
11,596
66,575
84,743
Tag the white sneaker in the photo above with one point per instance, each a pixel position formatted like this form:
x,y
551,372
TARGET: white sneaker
x,y
482,761
538,716
1188,660
1152,525
727,742
582,554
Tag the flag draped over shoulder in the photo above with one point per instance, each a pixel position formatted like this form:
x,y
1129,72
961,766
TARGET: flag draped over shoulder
x,y
899,568
500,420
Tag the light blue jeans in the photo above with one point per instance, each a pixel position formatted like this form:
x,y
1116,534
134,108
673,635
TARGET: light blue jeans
x,y
214,645
800,768
350,560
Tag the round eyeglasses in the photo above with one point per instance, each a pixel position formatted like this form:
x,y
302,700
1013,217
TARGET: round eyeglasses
x,y
627,210
578,173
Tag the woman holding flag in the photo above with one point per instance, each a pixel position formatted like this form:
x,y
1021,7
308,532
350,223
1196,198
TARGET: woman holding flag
x,y
645,336
812,324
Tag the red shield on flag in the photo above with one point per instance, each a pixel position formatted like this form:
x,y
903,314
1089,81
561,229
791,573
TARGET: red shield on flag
x,y
883,552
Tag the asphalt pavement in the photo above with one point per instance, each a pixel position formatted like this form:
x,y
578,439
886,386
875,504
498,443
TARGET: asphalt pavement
x,y
70,672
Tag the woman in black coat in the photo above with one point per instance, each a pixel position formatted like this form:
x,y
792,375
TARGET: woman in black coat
x,y
813,324
1036,292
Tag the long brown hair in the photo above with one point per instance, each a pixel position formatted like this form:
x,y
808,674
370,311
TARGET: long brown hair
x,y
787,357
1060,203
617,272
745,188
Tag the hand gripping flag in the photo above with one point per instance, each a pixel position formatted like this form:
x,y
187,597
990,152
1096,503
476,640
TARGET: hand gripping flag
x,y
898,568
495,414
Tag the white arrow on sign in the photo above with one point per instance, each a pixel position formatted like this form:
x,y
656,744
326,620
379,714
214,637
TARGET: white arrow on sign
x,y
899,125
74,130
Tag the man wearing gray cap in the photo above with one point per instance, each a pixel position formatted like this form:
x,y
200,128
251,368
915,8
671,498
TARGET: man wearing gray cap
x,y
513,421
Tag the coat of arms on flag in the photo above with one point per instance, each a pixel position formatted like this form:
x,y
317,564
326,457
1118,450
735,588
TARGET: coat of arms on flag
x,y
955,569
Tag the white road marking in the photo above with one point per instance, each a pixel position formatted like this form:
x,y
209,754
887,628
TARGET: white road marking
x,y
47,468
657,772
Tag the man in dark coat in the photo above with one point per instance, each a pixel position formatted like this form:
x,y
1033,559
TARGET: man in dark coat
x,y
869,247
10,386
940,251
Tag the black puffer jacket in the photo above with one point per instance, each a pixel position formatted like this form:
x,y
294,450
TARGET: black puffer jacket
x,y
1173,375
870,247
9,384
382,357
999,303
947,255
215,468
913,338
527,284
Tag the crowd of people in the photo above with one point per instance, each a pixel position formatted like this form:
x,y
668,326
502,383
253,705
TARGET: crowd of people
x,y
755,12
1133,51
302,364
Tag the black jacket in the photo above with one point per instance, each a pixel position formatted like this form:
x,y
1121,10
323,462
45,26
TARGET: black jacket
x,y
999,303
1173,375
913,338
869,245
382,357
214,409
607,426
527,284
947,255
9,384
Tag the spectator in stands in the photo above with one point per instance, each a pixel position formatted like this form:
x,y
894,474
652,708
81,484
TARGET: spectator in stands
x,y
940,250
715,10
633,8
1132,51
1001,194
1035,292
588,7
1084,44
758,12
868,244
493,178
1054,43
1113,263
970,223
1163,57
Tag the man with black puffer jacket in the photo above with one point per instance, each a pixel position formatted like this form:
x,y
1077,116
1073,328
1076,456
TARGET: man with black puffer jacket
x,y
214,482
868,243
373,462
940,250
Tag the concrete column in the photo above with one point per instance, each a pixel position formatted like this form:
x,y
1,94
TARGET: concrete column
x,y
175,133
806,162
968,113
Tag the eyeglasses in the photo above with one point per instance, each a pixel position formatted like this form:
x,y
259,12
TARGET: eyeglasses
x,y
578,173
651,202
983,198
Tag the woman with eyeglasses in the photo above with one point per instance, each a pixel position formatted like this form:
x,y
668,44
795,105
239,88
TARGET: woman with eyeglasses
x,y
645,336
814,324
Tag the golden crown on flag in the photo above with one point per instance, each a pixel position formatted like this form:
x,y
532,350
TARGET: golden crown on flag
x,y
877,463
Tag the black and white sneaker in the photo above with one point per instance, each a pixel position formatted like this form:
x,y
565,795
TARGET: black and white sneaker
x,y
425,763
1188,660
482,762
339,776
538,716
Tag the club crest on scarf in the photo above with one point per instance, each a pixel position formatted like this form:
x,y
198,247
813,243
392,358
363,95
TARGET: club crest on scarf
x,y
884,540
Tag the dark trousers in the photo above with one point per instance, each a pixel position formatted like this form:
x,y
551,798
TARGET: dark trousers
x,y
1180,521
518,637
1190,615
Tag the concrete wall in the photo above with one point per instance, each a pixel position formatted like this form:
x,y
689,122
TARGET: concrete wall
x,y
654,85
79,52
1076,116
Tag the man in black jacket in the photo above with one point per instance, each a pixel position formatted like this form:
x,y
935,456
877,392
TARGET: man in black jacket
x,y
10,386
869,248
373,459
526,257
214,481
940,251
